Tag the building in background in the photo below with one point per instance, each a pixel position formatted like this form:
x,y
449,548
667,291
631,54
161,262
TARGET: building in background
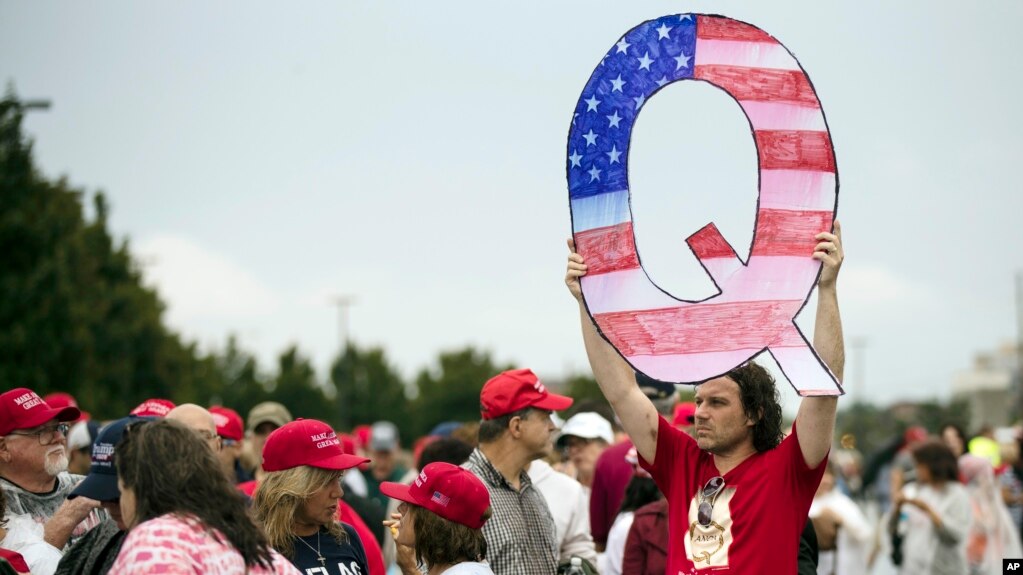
x,y
992,387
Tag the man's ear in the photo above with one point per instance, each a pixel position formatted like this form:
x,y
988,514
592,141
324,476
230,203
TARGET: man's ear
x,y
750,421
5,453
515,426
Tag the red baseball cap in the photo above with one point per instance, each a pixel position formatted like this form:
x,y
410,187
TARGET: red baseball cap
x,y
22,408
229,423
915,434
361,434
447,490
685,414
516,389
347,443
153,408
306,442
60,400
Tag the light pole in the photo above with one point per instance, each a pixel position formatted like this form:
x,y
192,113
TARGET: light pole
x,y
37,104
343,303
859,347
1018,387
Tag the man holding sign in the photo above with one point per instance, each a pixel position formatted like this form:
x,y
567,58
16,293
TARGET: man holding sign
x,y
738,492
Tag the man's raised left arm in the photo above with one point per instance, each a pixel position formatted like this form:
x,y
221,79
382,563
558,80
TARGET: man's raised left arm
x,y
815,421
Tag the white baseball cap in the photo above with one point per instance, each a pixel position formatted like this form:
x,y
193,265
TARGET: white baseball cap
x,y
588,425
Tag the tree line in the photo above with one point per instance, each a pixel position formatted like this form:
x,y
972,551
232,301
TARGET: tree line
x,y
76,317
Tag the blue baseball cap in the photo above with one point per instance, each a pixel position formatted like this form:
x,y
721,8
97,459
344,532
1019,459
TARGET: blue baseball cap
x,y
101,483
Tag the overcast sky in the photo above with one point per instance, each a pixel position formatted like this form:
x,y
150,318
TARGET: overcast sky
x,y
264,157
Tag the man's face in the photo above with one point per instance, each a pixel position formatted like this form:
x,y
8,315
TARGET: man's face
x,y
383,463
259,435
584,452
230,451
41,449
536,428
202,423
827,483
721,423
80,461
321,507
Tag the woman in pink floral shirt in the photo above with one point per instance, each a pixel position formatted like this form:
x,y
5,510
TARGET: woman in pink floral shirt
x,y
183,514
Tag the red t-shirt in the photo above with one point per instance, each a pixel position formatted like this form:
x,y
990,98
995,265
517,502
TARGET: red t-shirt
x,y
757,519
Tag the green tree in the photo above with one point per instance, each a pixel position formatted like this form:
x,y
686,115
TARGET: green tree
x,y
450,390
872,427
875,427
368,389
933,415
74,315
582,386
296,387
237,382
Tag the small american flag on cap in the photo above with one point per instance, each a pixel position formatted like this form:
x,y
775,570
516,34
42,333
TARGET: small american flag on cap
x,y
440,499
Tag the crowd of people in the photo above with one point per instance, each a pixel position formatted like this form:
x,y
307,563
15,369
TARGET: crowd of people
x,y
655,486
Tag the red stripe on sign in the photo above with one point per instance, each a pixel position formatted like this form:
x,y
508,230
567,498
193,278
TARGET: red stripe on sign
x,y
760,84
789,232
703,328
795,150
709,243
608,249
718,28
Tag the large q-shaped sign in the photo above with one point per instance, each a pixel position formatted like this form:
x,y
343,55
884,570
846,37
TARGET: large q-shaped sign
x,y
683,341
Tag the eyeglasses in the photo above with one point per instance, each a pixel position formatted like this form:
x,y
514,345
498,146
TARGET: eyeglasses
x,y
46,435
708,495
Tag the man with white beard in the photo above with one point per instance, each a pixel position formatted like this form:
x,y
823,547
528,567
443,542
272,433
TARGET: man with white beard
x,y
33,468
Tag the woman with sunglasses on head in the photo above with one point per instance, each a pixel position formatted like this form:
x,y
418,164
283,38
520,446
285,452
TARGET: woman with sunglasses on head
x,y
441,517
183,514
936,512
297,499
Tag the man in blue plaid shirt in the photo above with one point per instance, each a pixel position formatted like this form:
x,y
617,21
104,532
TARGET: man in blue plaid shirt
x,y
515,430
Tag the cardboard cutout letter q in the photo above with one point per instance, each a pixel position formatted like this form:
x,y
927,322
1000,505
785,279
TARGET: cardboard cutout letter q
x,y
673,339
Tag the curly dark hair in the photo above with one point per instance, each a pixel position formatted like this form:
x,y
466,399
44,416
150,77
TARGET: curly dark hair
x,y
440,541
938,459
760,402
172,470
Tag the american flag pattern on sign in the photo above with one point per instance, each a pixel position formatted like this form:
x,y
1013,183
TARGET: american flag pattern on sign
x,y
663,336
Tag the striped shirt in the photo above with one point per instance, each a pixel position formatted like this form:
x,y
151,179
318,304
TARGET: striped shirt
x,y
520,534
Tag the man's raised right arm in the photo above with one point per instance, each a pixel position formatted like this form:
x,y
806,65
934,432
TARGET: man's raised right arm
x,y
614,375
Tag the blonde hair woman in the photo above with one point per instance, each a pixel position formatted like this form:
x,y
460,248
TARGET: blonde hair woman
x,y
297,499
